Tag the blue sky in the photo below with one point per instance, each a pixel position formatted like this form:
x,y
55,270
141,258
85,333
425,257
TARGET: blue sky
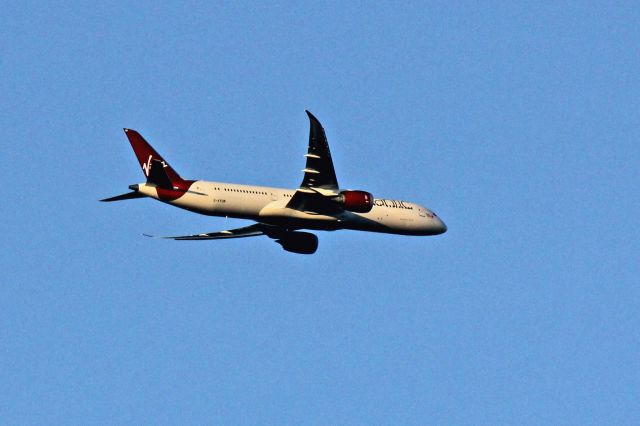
x,y
517,124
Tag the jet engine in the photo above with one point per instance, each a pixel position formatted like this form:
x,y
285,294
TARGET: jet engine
x,y
355,201
299,242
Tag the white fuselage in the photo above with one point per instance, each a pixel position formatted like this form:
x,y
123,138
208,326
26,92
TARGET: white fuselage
x,y
268,205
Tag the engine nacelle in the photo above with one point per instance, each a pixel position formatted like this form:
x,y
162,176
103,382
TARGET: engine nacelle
x,y
355,201
299,242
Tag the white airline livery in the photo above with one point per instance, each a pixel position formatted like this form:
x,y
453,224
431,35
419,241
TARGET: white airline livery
x,y
318,204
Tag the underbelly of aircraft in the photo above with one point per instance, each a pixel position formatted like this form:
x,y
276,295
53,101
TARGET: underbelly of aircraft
x,y
290,218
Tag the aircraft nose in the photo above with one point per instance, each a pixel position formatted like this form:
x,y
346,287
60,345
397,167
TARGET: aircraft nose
x,y
439,226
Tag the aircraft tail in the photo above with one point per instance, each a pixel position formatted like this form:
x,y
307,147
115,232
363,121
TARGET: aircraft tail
x,y
154,167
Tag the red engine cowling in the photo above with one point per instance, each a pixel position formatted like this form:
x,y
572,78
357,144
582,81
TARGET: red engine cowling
x,y
355,201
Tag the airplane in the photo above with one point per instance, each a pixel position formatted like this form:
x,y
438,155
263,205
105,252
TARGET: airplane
x,y
280,214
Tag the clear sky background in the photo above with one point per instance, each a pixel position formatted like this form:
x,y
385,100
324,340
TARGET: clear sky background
x,y
517,124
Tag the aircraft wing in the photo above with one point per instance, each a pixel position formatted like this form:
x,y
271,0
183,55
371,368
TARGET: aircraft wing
x,y
319,172
248,231
319,175
290,240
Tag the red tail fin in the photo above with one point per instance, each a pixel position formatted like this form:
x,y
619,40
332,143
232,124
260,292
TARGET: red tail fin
x,y
147,155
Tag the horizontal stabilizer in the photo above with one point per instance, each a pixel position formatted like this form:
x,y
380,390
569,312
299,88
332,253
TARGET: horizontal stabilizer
x,y
127,196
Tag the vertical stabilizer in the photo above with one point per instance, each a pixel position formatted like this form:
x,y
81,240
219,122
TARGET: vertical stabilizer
x,y
147,157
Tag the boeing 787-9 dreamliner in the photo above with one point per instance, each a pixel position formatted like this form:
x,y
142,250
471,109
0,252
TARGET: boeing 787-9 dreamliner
x,y
281,214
